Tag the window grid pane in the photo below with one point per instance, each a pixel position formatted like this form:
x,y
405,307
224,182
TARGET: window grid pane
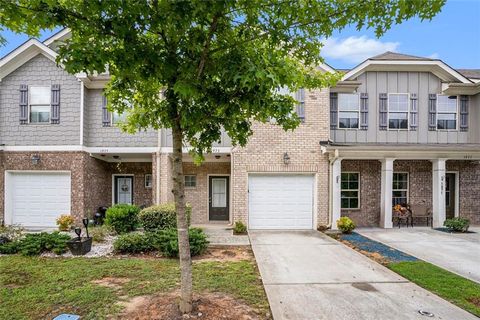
x,y
349,196
446,112
190,181
398,105
400,188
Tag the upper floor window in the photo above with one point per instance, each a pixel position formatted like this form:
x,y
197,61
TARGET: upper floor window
x,y
40,98
447,112
398,111
348,110
400,188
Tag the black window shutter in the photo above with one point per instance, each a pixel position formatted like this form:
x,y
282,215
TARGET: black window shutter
x,y
413,112
333,110
463,113
364,111
105,113
383,111
432,112
23,104
55,104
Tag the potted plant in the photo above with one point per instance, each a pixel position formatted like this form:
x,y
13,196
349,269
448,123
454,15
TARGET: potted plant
x,y
80,246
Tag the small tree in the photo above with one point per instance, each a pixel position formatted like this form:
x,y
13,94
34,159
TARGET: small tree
x,y
217,63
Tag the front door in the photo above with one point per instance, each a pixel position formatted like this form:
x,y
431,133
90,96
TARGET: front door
x,y
218,196
123,189
450,195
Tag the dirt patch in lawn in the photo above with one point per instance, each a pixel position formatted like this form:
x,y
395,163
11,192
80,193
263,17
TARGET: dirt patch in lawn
x,y
226,254
111,282
475,301
211,306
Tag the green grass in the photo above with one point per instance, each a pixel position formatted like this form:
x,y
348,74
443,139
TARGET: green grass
x,y
40,288
449,286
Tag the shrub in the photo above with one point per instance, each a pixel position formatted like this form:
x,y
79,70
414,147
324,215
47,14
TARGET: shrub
x,y
122,217
239,228
134,242
10,247
161,217
36,243
167,241
457,224
99,233
65,222
11,233
345,224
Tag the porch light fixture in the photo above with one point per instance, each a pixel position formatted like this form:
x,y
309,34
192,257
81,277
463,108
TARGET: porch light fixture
x,y
35,158
286,158
217,157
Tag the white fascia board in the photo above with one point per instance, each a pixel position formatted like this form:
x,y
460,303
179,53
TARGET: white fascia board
x,y
42,148
121,149
188,149
59,35
355,72
107,149
377,154
24,53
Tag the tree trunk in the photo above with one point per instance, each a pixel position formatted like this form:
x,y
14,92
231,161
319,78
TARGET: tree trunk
x,y
182,223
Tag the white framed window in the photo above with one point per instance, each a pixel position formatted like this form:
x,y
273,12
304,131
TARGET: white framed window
x,y
350,190
348,110
398,106
447,110
148,181
400,188
118,117
40,99
190,181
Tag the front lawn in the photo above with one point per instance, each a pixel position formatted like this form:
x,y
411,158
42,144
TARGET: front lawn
x,y
40,288
456,289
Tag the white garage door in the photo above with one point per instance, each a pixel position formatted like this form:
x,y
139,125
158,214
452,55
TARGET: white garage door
x,y
280,201
36,199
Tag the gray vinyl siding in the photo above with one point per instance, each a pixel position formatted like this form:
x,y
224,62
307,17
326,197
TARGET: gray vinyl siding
x,y
97,135
39,71
474,119
167,139
421,83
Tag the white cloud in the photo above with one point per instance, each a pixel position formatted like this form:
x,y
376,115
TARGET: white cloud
x,y
356,49
434,56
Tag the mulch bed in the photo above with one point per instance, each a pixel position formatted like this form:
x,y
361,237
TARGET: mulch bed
x,y
446,230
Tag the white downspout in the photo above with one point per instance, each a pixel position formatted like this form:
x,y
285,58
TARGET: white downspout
x,y
82,105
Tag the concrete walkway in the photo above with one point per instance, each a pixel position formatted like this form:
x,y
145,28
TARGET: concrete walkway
x,y
458,253
222,235
307,275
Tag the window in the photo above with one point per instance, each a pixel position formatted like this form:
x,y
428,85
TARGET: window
x,y
40,104
190,181
118,117
348,110
148,181
350,190
446,112
398,111
400,188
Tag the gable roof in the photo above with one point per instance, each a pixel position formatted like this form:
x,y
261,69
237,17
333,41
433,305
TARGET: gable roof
x,y
22,54
470,73
392,61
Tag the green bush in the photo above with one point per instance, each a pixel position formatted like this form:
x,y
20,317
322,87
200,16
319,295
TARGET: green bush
x,y
161,217
167,241
239,228
345,224
10,247
99,233
457,224
122,217
134,242
36,243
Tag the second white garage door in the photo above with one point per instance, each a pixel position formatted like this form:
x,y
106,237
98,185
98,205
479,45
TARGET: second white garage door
x,y
36,199
280,201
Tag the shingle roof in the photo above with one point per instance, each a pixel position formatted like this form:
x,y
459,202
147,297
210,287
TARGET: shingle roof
x,y
470,73
397,56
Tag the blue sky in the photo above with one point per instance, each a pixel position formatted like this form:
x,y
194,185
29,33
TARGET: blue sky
x,y
452,36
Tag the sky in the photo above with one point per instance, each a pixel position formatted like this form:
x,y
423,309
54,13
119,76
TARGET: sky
x,y
452,36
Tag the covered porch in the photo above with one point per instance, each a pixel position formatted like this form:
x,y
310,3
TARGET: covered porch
x,y
366,182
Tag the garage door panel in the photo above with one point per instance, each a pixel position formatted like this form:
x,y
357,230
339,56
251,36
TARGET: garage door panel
x,y
38,198
281,201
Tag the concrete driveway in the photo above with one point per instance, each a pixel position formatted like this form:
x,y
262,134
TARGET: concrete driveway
x,y
307,275
458,253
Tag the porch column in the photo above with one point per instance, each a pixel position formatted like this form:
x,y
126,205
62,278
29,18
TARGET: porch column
x,y
438,192
386,193
335,179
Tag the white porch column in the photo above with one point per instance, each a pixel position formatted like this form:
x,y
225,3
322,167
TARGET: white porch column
x,y
438,192
335,177
386,193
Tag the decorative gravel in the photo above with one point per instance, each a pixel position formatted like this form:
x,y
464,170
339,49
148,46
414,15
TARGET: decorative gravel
x,y
102,249
366,244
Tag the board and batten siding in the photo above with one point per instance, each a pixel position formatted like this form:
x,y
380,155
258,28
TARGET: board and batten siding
x,y
39,71
96,135
421,83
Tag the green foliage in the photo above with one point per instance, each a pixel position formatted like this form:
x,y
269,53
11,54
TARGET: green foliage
x,y
457,224
134,242
122,217
239,228
99,233
161,217
345,224
65,222
11,247
36,243
11,233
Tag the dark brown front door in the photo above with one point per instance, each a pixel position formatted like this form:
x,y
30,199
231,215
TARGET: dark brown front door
x,y
218,198
450,195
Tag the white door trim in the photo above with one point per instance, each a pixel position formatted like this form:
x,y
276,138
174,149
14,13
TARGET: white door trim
x,y
113,185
